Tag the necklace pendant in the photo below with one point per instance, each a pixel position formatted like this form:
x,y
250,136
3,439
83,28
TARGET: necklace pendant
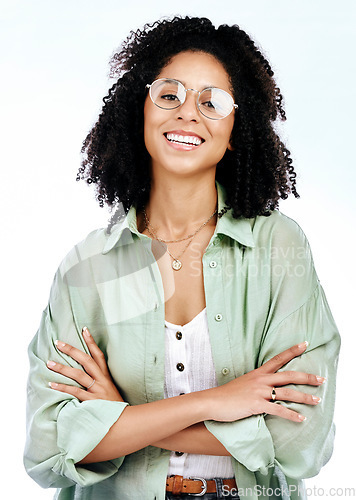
x,y
176,264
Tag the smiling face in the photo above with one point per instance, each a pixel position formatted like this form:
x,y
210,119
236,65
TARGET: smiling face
x,y
182,140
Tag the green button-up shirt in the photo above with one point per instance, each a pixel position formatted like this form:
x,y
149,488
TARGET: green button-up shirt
x,y
262,296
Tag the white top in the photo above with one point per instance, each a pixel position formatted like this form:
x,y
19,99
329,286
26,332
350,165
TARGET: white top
x,y
189,367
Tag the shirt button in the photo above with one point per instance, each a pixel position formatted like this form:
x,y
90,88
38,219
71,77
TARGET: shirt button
x,y
212,264
218,317
179,453
225,371
179,335
180,367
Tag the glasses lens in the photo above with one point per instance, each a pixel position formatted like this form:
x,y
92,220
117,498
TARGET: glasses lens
x,y
167,94
215,103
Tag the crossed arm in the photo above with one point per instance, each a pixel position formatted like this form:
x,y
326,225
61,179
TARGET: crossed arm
x,y
247,395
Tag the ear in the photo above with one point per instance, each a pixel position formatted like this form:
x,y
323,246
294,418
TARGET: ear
x,y
230,147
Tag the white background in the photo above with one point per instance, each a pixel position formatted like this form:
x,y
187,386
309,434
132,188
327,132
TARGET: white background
x,y
54,56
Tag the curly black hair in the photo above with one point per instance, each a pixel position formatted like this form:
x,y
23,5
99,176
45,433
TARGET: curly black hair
x,y
256,174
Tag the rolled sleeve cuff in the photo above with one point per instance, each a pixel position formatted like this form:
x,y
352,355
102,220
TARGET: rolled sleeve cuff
x,y
81,427
248,441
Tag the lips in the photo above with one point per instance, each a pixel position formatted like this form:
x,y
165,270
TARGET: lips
x,y
184,138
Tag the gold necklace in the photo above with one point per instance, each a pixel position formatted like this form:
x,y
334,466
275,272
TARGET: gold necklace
x,y
176,263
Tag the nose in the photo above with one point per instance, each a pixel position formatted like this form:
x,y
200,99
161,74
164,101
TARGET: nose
x,y
189,109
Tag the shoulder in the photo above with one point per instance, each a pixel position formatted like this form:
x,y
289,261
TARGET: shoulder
x,y
85,250
102,255
282,254
277,229
281,241
277,222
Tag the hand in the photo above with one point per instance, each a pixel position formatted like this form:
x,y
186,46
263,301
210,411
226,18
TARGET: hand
x,y
251,393
96,370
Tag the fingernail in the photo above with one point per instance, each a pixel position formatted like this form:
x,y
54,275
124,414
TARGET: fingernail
x,y
316,399
85,331
52,385
303,345
321,380
59,343
302,418
51,364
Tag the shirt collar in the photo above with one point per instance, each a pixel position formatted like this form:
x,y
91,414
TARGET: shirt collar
x,y
127,226
237,229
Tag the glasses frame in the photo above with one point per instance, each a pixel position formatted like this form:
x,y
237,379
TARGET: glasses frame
x,y
180,84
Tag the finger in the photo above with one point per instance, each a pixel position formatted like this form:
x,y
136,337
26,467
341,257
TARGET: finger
x,y
75,391
283,358
292,377
73,373
84,359
282,411
287,394
97,354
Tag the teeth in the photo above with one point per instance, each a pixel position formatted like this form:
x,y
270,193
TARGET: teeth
x,y
185,139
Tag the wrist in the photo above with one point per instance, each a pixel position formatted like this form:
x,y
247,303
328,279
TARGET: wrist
x,y
199,405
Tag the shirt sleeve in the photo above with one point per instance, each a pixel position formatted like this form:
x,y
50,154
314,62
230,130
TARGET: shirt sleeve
x,y
298,311
61,430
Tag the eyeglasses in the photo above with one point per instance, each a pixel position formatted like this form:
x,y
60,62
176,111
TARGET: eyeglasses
x,y
212,102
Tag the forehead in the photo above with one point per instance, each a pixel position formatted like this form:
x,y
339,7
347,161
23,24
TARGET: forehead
x,y
197,70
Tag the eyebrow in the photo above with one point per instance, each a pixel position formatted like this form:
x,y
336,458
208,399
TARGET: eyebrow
x,y
185,85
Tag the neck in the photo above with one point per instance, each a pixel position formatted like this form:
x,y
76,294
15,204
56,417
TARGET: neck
x,y
177,209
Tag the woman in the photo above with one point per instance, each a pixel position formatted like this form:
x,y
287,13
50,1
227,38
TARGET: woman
x,y
201,308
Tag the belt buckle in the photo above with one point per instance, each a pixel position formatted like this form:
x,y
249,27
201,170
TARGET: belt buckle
x,y
205,487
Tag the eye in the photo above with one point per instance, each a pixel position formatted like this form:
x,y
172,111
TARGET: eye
x,y
208,104
169,97
208,100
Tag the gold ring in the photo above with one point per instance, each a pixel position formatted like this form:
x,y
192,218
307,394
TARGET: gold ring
x,y
273,394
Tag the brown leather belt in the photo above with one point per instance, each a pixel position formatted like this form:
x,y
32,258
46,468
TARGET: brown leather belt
x,y
196,486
